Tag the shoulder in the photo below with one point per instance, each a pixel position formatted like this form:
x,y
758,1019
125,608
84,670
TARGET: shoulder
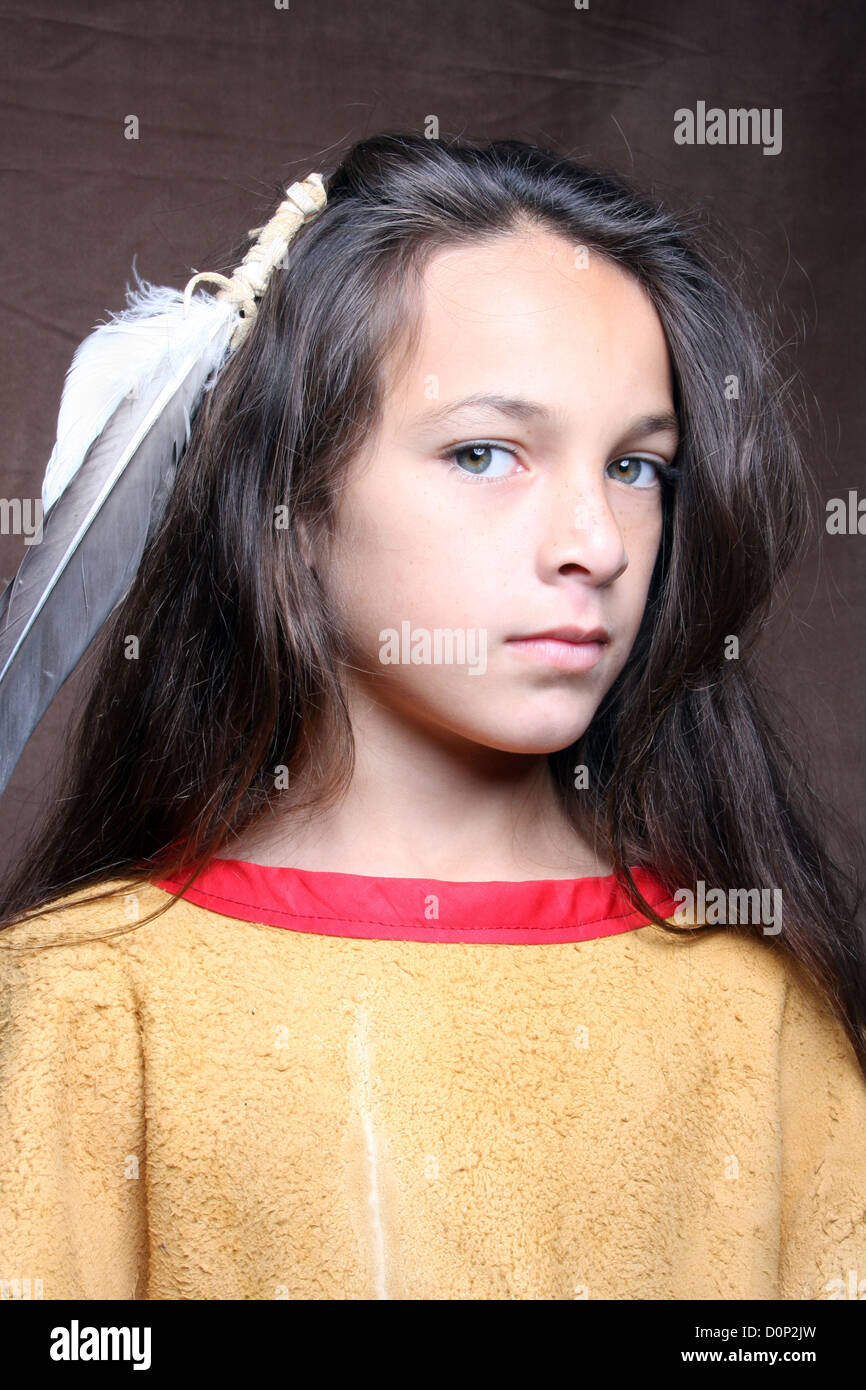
x,y
741,977
818,1056
81,947
122,941
75,916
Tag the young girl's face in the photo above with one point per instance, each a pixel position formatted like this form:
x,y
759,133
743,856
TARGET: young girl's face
x,y
491,522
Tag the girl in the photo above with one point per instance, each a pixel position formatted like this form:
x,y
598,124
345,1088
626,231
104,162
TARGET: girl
x,y
463,934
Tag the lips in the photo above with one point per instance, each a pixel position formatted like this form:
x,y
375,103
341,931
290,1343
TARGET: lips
x,y
574,635
568,649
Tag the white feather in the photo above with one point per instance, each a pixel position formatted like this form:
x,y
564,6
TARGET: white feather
x,y
123,425
122,428
147,341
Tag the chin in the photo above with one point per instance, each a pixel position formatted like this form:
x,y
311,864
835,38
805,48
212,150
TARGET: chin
x,y
529,735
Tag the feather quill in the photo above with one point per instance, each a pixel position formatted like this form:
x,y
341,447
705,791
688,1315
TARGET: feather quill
x,y
124,421
123,424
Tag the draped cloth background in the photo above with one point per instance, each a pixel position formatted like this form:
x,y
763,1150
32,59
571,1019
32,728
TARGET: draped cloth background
x,y
233,99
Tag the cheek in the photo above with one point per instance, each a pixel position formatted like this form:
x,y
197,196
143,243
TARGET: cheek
x,y
405,556
642,545
641,528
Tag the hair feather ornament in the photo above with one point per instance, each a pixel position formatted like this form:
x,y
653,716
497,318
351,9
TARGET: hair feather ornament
x,y
124,422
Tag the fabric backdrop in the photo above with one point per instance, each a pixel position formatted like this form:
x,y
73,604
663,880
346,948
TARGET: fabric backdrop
x,y
235,99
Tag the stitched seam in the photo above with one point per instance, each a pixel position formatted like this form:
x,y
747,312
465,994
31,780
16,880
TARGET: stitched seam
x,y
417,926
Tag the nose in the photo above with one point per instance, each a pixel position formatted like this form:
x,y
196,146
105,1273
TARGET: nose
x,y
582,535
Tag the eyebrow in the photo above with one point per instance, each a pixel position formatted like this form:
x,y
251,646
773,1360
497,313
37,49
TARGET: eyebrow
x,y
519,408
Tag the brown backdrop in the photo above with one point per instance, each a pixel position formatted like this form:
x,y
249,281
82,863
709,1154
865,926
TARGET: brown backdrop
x,y
234,99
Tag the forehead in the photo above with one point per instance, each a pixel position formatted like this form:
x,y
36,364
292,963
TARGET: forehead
x,y
531,312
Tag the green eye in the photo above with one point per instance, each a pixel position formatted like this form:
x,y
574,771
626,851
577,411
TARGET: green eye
x,y
478,458
630,470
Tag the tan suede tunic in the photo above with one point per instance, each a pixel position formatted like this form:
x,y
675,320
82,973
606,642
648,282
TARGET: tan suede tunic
x,y
209,1107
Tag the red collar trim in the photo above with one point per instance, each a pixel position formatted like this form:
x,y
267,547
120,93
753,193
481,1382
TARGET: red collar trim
x,y
423,909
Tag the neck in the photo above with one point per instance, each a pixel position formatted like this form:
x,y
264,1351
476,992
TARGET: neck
x,y
435,806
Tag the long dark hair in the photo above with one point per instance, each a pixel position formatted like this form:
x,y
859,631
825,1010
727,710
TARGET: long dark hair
x,y
240,651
